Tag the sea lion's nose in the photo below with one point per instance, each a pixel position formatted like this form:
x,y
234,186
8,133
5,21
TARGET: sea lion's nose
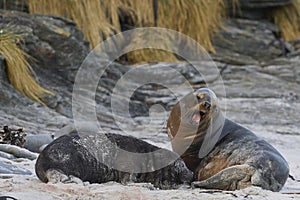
x,y
207,104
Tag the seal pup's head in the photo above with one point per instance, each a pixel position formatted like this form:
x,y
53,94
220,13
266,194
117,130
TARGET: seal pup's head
x,y
175,175
195,118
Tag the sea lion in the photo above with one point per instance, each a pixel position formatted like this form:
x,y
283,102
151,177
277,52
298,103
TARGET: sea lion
x,y
222,154
85,156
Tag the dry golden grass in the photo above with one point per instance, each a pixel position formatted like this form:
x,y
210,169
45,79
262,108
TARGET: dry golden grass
x,y
19,71
199,19
89,15
144,38
287,18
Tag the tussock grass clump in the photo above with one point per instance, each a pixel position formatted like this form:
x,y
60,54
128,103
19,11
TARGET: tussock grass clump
x,y
199,20
99,19
287,18
19,71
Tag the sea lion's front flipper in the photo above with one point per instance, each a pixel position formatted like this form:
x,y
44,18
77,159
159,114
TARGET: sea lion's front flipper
x,y
55,176
231,178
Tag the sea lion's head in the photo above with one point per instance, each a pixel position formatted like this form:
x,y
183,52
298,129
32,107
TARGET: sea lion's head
x,y
191,119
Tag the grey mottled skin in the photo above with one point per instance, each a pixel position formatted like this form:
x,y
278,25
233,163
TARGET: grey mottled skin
x,y
247,160
68,157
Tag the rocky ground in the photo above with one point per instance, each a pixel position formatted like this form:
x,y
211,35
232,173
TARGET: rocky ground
x,y
261,82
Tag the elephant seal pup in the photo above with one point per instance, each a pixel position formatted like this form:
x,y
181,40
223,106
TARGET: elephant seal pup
x,y
222,154
83,156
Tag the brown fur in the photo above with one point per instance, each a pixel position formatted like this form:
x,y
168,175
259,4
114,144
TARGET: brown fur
x,y
175,129
214,165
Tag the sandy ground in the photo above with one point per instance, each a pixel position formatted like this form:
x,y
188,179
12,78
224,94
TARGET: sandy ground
x,y
29,187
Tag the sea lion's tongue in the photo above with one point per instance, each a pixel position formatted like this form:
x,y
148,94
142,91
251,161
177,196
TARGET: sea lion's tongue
x,y
196,118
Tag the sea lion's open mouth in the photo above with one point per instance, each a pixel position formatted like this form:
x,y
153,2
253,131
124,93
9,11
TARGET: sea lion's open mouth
x,y
201,113
198,116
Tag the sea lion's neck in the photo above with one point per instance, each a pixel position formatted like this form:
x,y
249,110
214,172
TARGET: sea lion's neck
x,y
204,144
205,140
213,134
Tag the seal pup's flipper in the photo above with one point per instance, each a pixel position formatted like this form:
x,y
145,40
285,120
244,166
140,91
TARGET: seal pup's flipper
x,y
231,178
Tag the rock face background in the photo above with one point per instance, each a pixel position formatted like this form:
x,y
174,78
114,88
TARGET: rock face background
x,y
261,75
258,79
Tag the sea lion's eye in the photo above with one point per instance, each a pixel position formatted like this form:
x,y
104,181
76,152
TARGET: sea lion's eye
x,y
200,96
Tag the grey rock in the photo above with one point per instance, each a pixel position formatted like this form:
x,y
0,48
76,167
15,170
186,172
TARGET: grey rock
x,y
254,9
3,70
247,42
6,155
6,168
17,151
263,3
8,95
18,5
56,43
35,142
